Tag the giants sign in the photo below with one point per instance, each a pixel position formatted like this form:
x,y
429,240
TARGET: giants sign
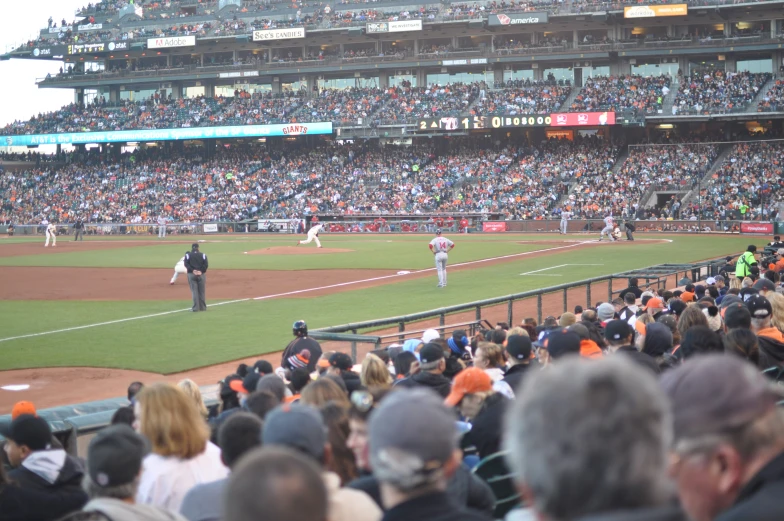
x,y
494,226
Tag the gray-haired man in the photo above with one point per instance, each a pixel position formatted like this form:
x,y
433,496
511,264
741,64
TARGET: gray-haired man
x,y
728,449
114,464
413,452
588,440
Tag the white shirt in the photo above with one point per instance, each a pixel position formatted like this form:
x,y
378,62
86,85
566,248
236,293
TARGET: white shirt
x,y
608,221
315,229
166,480
565,216
441,244
51,228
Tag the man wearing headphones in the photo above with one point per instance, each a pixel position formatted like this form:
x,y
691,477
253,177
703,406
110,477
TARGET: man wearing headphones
x,y
196,264
300,343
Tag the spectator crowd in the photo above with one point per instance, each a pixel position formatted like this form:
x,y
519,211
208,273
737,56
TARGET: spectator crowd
x,y
662,405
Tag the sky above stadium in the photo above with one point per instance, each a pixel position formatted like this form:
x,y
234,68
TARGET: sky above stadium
x,y
21,21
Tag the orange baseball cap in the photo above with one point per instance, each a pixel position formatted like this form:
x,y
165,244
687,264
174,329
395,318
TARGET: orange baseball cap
x,y
655,303
468,381
21,408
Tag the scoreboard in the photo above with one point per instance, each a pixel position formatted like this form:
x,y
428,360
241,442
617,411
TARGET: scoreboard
x,y
566,119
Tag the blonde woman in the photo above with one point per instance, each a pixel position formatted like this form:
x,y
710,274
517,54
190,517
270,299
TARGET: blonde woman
x,y
181,454
375,373
777,303
736,283
190,388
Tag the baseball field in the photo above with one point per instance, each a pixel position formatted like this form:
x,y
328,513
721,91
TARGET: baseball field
x,y
106,302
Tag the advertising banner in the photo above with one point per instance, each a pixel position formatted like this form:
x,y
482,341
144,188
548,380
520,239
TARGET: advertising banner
x,y
117,46
499,20
246,74
86,48
764,228
393,27
62,29
494,226
210,228
171,134
654,11
48,52
270,35
174,41
89,27
578,119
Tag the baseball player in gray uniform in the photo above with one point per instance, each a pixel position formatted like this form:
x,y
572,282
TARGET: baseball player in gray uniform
x,y
565,215
440,246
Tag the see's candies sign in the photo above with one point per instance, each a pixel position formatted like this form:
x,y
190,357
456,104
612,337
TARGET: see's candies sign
x,y
494,226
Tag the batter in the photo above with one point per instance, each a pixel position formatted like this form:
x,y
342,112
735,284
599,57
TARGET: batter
x,y
440,246
313,235
608,228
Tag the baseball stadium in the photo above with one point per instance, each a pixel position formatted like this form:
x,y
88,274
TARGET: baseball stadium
x,y
457,193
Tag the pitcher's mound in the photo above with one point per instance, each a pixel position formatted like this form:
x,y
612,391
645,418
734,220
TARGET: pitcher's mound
x,y
297,250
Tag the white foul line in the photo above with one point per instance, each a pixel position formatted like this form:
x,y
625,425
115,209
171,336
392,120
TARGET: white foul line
x,y
553,267
288,293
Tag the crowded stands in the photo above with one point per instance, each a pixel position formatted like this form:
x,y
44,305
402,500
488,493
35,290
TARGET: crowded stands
x,y
718,91
536,98
642,94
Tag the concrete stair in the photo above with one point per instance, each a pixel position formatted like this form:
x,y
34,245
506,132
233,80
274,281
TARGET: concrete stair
x,y
705,180
761,95
669,99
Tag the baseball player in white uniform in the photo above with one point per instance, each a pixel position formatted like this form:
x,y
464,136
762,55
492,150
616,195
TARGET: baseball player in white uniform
x,y
313,235
565,216
161,227
179,268
608,228
51,233
440,246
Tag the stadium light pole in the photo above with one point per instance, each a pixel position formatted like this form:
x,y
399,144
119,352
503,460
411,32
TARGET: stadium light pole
x,y
699,204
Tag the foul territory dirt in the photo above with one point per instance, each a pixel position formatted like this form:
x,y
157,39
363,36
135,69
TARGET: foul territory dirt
x,y
51,387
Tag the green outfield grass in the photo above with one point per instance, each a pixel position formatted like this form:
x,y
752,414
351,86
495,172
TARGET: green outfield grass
x,y
179,341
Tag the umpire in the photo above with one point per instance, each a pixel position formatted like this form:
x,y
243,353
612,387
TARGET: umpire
x,y
79,230
630,229
196,264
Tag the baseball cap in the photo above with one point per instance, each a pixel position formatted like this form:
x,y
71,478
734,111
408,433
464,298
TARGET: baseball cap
x,y
719,278
468,381
342,361
711,281
429,335
764,284
263,367
562,342
296,426
195,246
730,299
737,316
605,312
115,456
759,306
655,303
714,393
399,451
247,385
677,306
21,408
617,330
518,347
430,353
28,430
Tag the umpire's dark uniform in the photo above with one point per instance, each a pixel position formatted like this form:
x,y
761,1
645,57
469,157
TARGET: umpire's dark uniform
x,y
630,229
79,230
196,264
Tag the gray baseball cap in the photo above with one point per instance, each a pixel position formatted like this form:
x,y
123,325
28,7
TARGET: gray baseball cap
x,y
298,427
711,394
412,434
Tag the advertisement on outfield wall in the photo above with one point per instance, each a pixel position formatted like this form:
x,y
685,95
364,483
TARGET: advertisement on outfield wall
x,y
500,20
494,226
86,48
393,27
764,228
269,35
210,228
170,134
173,41
274,225
655,11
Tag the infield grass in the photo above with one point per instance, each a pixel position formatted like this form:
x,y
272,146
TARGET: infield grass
x,y
179,341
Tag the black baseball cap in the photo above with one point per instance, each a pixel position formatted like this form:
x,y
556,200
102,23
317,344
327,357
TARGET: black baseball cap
x,y
616,330
29,431
263,367
737,316
518,347
562,342
764,284
195,246
115,456
677,306
759,306
430,352
342,361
